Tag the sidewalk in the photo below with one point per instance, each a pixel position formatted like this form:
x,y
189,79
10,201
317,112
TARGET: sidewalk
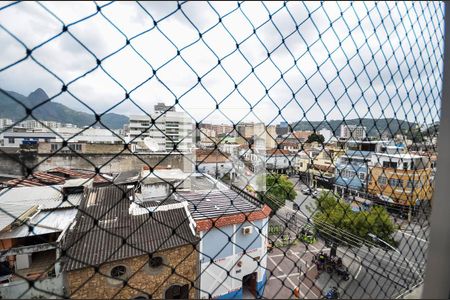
x,y
415,293
309,287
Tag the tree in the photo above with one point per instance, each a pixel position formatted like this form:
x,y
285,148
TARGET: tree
x,y
338,224
314,137
415,135
278,189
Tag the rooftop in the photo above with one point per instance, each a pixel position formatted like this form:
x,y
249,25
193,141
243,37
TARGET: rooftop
x,y
43,222
15,202
104,216
214,204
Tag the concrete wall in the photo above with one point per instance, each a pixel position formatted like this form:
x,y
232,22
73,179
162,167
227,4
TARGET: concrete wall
x,y
86,284
214,279
22,289
16,164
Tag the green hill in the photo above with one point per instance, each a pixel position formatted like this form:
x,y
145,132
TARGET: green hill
x,y
374,127
14,107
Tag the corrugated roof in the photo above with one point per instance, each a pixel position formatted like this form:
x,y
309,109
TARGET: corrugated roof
x,y
105,231
16,201
43,222
216,203
57,176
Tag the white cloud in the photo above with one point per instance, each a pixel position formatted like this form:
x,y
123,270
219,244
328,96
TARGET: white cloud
x,y
381,57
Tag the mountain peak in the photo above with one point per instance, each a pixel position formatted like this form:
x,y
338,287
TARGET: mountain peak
x,y
38,96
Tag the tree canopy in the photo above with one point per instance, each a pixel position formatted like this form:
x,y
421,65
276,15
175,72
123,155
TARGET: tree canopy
x,y
314,137
339,224
278,189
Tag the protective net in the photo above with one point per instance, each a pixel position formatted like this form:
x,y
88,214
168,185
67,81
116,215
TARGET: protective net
x,y
217,149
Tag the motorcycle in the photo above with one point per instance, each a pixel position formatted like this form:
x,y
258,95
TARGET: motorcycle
x,y
345,275
325,263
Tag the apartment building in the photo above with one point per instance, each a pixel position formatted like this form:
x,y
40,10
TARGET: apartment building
x,y
356,132
162,132
327,135
38,124
5,122
352,171
219,129
405,178
259,131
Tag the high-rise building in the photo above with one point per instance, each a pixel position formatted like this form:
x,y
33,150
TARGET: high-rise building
x,y
4,122
259,131
355,132
164,132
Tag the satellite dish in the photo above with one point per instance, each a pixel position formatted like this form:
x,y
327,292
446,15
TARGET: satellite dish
x,y
151,144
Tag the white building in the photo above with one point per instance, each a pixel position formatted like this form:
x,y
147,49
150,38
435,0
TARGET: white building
x,y
206,135
5,122
218,164
356,132
280,161
167,130
230,148
88,135
15,139
232,252
327,134
41,124
403,161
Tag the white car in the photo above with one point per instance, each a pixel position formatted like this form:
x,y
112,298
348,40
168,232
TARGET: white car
x,y
310,191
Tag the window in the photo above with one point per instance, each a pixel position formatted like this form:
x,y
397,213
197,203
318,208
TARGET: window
x,y
382,180
405,166
389,164
76,147
394,182
11,140
348,174
54,147
362,176
156,262
118,272
177,292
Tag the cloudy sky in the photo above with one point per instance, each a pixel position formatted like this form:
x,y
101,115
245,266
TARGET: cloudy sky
x,y
254,60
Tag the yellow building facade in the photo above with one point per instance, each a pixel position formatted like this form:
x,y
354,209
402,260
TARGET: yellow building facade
x,y
405,187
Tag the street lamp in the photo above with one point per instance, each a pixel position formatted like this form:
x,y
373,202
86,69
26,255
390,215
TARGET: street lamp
x,y
376,238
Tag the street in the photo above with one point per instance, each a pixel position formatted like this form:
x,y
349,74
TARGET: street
x,y
375,272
